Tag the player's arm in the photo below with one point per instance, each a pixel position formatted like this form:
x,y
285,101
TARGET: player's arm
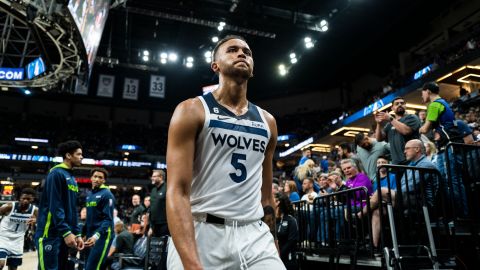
x,y
53,187
186,122
426,127
401,127
5,209
267,166
33,219
106,223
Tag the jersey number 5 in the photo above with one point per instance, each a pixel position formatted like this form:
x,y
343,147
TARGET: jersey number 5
x,y
236,158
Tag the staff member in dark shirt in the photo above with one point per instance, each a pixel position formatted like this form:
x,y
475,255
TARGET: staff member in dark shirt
x,y
287,231
158,216
158,212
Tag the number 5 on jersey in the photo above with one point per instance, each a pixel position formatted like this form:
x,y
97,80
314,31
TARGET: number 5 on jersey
x,y
236,163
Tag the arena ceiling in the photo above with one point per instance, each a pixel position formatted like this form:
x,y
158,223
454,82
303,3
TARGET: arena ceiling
x,y
363,36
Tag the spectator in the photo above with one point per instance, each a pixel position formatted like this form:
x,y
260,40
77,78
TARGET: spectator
x,y
309,193
324,185
337,183
431,151
422,115
138,210
123,244
305,171
306,155
146,203
384,182
291,191
324,164
398,129
287,231
415,154
440,117
368,151
356,179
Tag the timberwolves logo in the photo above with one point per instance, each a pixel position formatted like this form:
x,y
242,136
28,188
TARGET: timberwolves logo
x,y
48,248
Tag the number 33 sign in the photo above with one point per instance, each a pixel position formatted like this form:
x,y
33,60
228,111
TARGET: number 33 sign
x,y
157,86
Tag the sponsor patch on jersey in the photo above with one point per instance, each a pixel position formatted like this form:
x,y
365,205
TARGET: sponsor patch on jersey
x,y
48,248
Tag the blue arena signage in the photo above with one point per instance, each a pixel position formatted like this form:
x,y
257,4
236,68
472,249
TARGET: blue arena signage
x,y
11,74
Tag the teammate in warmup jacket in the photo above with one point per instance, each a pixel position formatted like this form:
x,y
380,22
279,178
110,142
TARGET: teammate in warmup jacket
x,y
16,218
99,225
57,226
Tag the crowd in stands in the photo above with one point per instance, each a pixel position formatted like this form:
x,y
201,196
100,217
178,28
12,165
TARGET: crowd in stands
x,y
351,165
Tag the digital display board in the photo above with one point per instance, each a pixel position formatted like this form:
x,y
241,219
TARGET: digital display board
x,y
35,68
90,17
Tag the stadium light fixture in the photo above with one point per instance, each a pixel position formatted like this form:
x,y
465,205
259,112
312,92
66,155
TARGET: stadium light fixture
x,y
293,60
146,52
163,55
323,26
145,58
215,39
27,92
163,61
172,57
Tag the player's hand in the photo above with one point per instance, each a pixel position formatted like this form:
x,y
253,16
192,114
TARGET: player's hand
x,y
32,221
80,244
90,242
70,241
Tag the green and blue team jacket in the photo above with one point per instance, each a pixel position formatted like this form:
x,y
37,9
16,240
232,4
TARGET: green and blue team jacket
x,y
100,205
57,212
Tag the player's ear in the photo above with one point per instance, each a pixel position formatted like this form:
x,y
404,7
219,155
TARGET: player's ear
x,y
214,67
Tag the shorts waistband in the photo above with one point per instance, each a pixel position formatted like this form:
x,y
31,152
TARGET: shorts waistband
x,y
208,218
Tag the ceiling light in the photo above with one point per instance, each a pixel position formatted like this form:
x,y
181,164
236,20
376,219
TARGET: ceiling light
x,y
293,55
208,54
309,45
281,67
307,40
189,59
293,60
145,58
215,39
146,52
126,153
208,59
189,64
222,24
35,147
172,57
220,28
163,60
4,88
323,26
283,72
163,55
27,92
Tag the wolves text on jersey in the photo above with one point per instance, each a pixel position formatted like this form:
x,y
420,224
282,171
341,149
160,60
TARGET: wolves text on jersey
x,y
239,142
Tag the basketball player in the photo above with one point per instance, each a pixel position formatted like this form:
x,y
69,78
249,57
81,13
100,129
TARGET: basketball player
x,y
57,227
99,225
16,218
219,157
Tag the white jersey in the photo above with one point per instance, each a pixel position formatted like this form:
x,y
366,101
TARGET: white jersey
x,y
12,230
227,171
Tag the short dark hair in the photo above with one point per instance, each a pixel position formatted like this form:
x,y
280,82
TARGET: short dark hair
x,y
432,86
384,157
68,147
346,145
463,91
28,191
99,169
397,98
223,40
359,138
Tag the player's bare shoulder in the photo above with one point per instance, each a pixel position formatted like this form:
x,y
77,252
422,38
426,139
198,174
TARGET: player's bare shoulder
x,y
272,123
191,111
